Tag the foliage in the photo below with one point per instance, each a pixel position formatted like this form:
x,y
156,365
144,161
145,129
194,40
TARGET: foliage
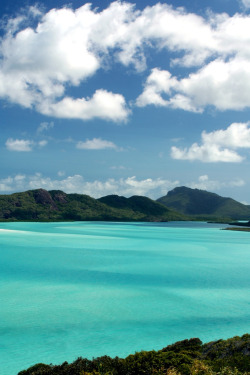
x,y
187,357
55,205
234,352
179,204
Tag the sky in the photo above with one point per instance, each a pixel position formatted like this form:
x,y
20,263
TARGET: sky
x,y
127,98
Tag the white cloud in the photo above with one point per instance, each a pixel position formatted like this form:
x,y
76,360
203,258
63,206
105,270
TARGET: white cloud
x,y
223,85
42,143
153,188
65,47
206,153
56,50
246,3
19,145
61,173
15,183
130,186
159,82
217,146
6,184
76,184
237,135
96,144
205,183
103,104
38,63
44,126
23,145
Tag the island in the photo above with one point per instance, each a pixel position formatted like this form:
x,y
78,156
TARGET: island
x,y
181,203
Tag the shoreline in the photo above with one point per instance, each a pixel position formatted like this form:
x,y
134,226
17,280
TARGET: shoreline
x,y
240,229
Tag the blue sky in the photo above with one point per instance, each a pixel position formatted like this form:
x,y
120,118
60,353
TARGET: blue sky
x,y
125,97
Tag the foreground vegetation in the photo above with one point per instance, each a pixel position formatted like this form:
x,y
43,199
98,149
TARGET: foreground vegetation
x,y
188,357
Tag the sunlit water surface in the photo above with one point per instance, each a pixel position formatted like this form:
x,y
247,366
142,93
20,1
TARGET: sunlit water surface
x,y
89,289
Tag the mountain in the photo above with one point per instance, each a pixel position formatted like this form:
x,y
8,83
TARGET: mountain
x,y
203,204
181,203
55,205
141,205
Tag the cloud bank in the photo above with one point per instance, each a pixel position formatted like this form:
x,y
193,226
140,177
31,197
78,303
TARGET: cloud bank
x,y
153,188
76,184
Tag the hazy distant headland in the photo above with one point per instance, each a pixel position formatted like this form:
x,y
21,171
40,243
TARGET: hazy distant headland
x,y
181,203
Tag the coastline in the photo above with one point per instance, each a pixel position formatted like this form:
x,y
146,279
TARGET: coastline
x,y
240,229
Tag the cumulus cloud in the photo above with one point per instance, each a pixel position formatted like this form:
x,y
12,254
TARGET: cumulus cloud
x,y
206,153
221,84
237,135
38,63
103,104
23,145
96,144
217,146
44,54
159,82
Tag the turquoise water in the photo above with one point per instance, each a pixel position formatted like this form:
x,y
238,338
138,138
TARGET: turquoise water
x,y
88,289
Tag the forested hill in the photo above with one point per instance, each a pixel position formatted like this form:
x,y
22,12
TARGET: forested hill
x,y
181,203
201,203
55,205
187,357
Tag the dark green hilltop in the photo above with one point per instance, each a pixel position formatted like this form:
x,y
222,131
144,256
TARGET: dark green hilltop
x,y
203,205
181,203
187,357
55,205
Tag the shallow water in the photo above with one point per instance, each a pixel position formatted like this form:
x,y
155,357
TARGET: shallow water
x,y
89,289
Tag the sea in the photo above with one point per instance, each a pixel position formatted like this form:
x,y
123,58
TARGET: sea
x,y
86,289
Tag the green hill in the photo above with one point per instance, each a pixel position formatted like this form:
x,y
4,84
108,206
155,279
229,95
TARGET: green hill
x,y
203,204
55,205
181,203
141,205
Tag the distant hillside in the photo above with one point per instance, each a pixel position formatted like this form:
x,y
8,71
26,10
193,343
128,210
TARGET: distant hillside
x,y
142,205
55,205
200,203
182,203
